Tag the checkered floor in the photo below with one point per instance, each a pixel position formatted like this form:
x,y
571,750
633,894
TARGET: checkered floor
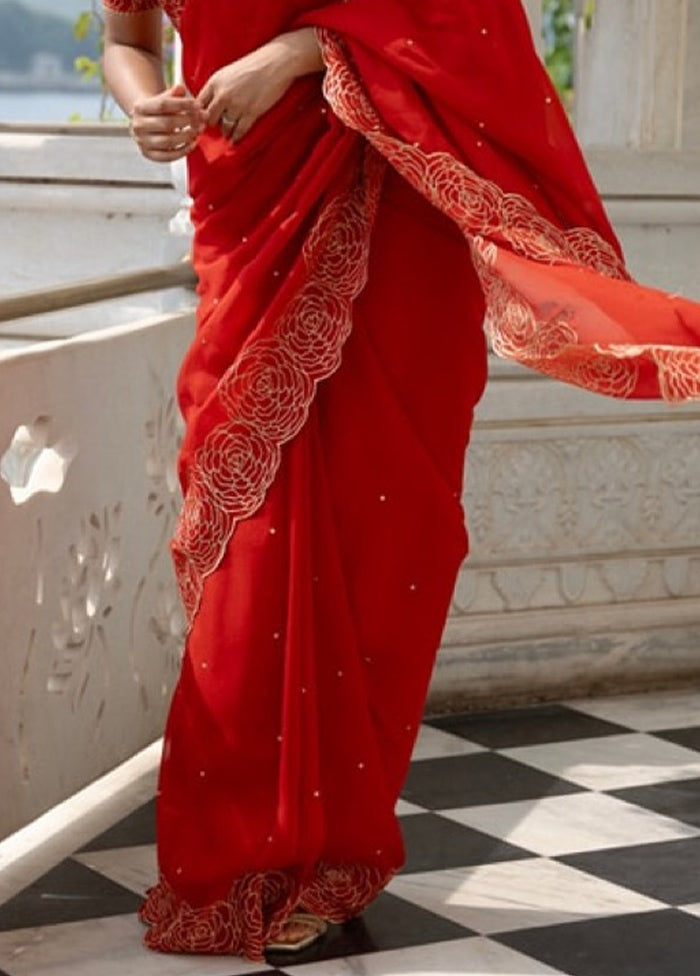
x,y
554,840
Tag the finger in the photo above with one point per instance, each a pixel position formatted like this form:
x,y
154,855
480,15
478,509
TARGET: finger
x,y
163,125
221,107
228,123
228,128
190,102
169,125
245,124
161,152
166,105
165,143
205,96
158,156
159,139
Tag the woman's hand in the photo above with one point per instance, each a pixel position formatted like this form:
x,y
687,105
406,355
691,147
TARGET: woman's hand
x,y
166,126
236,96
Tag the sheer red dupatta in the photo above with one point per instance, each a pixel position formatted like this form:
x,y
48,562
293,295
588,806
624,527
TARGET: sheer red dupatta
x,y
453,95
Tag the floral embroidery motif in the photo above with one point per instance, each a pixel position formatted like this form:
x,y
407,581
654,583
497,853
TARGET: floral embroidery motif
x,y
545,339
480,207
267,392
256,909
341,892
483,210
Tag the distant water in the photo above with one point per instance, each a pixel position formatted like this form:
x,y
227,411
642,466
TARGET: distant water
x,y
49,106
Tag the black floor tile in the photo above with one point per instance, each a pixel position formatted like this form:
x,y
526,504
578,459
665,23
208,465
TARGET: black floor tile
x,y
679,799
665,943
70,892
669,872
436,844
690,738
526,726
138,829
461,781
388,923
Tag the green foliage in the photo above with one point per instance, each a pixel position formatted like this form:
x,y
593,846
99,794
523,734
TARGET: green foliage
x,y
90,24
87,68
559,24
559,28
84,24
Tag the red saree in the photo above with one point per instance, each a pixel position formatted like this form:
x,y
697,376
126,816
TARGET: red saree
x,y
347,251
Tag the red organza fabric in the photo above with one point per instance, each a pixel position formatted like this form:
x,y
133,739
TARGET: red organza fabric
x,y
347,250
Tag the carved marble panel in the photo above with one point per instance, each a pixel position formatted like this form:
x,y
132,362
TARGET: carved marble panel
x,y
92,631
584,571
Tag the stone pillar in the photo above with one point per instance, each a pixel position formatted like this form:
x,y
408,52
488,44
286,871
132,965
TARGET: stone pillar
x,y
635,86
534,13
638,116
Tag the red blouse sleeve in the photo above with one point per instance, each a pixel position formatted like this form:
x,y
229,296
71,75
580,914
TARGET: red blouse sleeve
x,y
131,6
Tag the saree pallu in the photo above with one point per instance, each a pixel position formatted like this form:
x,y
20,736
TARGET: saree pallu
x,y
348,250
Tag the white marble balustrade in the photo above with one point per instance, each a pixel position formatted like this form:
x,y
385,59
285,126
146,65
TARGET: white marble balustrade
x,y
91,625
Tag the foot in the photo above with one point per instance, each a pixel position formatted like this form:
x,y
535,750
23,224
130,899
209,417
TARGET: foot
x,y
299,931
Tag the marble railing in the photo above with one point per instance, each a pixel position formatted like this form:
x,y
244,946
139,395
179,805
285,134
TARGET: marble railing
x,y
91,625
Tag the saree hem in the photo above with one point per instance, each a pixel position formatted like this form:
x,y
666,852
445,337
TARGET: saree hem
x,y
257,908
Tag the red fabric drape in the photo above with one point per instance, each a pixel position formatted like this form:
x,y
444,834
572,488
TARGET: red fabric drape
x,y
453,95
328,397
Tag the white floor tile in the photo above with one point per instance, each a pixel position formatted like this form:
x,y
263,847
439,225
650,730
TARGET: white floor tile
x,y
465,957
558,825
646,713
406,809
436,744
32,851
611,762
514,895
103,947
133,867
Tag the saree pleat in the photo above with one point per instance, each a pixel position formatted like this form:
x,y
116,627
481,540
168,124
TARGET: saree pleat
x,y
305,676
348,251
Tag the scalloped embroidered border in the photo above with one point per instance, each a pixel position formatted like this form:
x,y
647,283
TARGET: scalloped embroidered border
x,y
485,214
268,390
256,909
